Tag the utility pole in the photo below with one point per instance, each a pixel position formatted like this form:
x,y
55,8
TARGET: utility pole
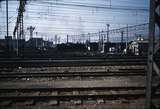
x,y
99,44
127,40
7,15
110,3
59,40
108,25
154,46
31,29
19,27
102,41
22,28
55,39
89,37
17,42
122,35
67,38
7,38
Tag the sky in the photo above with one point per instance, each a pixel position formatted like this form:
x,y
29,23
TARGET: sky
x,y
74,17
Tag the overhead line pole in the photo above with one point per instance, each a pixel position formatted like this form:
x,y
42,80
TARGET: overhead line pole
x,y
152,52
127,40
7,15
19,25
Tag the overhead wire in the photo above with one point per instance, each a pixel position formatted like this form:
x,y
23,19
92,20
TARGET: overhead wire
x,y
77,6
95,6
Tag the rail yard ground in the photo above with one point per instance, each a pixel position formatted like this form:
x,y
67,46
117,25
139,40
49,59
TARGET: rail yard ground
x,y
74,84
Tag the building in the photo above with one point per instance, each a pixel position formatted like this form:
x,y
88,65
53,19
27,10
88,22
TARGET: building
x,y
35,43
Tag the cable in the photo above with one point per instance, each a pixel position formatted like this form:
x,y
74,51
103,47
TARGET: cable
x,y
94,6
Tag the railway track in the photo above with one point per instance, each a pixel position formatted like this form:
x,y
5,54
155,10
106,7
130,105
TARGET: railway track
x,y
67,94
43,90
63,94
89,62
81,57
96,61
73,74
